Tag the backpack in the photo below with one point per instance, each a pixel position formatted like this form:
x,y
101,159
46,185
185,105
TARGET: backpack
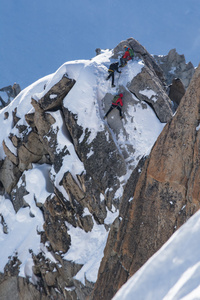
x,y
131,52
115,99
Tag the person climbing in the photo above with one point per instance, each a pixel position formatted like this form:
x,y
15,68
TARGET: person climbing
x,y
113,67
128,55
116,103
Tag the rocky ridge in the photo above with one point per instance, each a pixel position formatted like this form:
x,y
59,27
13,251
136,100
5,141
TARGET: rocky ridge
x,y
86,166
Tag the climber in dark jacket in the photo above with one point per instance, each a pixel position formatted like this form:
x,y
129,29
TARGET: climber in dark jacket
x,y
116,103
113,67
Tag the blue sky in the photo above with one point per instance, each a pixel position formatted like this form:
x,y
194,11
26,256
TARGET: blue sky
x,y
38,36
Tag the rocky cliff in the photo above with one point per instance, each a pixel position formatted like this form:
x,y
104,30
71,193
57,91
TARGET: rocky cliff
x,y
160,200
67,177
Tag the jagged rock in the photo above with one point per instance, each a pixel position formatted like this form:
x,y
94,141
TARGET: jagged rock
x,y
98,51
8,93
98,165
30,119
141,53
30,151
53,98
12,157
175,66
149,84
15,117
9,175
76,194
54,223
16,89
176,92
147,87
17,195
165,196
18,288
48,135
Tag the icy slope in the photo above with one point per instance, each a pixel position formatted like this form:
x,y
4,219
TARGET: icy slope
x,y
173,272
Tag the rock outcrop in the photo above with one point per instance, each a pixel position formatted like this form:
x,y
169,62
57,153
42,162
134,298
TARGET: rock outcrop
x,y
149,84
165,196
8,93
176,92
175,66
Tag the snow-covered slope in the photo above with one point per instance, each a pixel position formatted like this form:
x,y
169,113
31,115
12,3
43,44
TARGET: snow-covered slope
x,y
139,130
173,272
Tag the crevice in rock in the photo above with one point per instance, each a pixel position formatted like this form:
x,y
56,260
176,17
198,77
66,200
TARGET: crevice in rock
x,y
146,103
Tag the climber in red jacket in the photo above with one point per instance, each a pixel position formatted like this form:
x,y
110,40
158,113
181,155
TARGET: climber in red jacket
x,y
116,103
128,55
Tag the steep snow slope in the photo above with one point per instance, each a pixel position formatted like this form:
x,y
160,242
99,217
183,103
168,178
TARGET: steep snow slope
x,y
140,130
173,272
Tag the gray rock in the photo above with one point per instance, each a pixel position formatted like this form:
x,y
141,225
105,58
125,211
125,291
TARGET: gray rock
x,y
8,93
53,98
175,66
147,88
141,53
176,92
9,175
103,167
17,195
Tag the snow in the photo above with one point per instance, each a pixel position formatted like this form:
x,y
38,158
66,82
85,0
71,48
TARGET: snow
x,y
85,101
24,225
198,127
87,249
172,71
149,93
23,104
173,272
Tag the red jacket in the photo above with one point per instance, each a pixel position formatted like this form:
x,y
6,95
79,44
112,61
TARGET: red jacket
x,y
119,101
127,54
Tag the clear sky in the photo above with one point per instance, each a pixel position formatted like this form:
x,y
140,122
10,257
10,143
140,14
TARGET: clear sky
x,y
38,36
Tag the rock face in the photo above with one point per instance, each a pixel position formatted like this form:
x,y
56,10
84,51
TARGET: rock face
x,y
175,66
149,84
165,196
8,93
176,92
141,53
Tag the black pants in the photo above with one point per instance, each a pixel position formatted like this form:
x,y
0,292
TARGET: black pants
x,y
111,74
123,61
112,107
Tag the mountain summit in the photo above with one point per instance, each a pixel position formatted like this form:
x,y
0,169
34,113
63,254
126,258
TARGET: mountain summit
x,y
75,187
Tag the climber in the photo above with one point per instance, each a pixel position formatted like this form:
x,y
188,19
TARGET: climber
x,y
113,67
116,103
128,55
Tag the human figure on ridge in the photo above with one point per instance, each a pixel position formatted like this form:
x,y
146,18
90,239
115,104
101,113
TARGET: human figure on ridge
x,y
113,67
116,103
128,55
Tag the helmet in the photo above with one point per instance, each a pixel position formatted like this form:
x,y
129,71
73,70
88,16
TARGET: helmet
x,y
125,46
121,95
